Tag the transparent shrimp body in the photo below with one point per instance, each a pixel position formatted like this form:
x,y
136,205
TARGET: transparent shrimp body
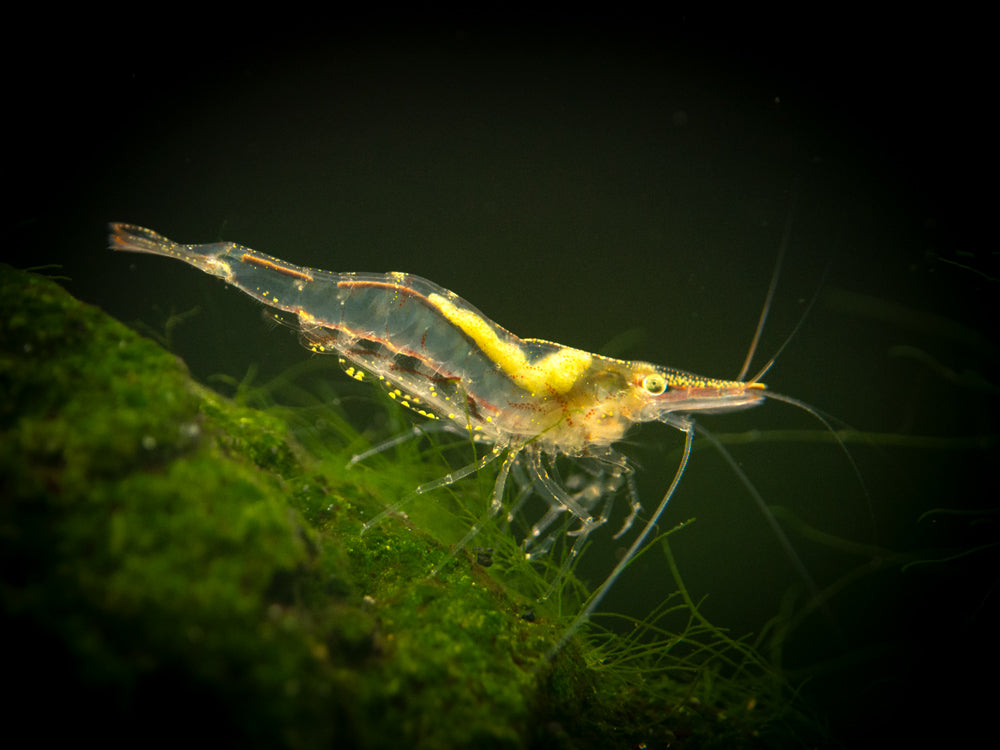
x,y
531,400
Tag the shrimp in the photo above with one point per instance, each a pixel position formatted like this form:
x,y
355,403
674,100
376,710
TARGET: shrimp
x,y
530,400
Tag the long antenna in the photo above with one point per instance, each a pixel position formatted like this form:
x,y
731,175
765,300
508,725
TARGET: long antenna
x,y
687,426
802,319
782,250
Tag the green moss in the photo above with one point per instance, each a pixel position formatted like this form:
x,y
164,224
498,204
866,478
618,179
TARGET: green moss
x,y
178,567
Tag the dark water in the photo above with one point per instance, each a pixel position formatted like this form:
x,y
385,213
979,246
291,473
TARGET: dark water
x,y
621,191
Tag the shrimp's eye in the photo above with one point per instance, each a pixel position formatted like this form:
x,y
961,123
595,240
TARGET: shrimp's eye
x,y
654,384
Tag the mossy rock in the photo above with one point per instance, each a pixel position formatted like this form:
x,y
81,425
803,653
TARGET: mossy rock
x,y
177,568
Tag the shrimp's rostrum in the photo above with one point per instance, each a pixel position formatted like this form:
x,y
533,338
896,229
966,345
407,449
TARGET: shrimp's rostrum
x,y
530,399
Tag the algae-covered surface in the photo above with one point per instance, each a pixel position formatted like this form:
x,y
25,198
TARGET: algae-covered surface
x,y
180,567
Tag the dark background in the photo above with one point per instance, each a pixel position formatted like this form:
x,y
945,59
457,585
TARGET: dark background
x,y
619,184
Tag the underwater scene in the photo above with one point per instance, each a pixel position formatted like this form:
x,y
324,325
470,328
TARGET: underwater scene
x,y
241,508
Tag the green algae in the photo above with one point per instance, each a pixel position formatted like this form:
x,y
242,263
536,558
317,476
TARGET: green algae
x,y
179,565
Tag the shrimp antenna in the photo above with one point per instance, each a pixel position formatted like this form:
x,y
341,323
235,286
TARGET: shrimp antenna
x,y
775,275
825,419
815,595
685,425
788,339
